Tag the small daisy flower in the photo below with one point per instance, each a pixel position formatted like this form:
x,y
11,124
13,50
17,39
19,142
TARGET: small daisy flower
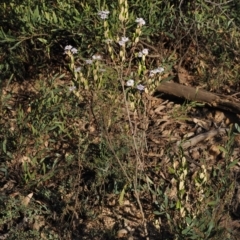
x,y
130,83
89,61
140,54
152,73
74,51
96,57
160,69
68,47
145,51
103,14
140,21
140,87
155,71
72,88
123,41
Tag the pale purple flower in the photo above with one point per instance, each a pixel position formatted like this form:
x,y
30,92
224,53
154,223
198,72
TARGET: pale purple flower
x,y
140,21
121,43
140,87
78,69
130,83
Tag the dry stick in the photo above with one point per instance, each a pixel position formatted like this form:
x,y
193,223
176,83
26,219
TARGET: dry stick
x,y
195,140
199,95
196,94
138,159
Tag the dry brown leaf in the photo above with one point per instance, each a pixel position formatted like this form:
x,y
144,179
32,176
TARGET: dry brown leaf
x,y
159,109
122,233
46,144
108,222
38,223
195,154
27,199
189,134
218,117
183,75
201,123
24,159
214,151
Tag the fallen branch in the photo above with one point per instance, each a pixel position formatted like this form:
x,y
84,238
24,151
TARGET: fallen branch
x,y
204,136
195,94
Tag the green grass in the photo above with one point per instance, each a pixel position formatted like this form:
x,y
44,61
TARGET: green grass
x,y
77,139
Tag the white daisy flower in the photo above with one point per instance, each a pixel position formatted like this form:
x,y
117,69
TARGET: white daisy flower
x,y
96,57
140,21
130,83
74,50
145,51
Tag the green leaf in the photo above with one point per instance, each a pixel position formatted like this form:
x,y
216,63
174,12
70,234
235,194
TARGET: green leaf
x,y
5,170
149,180
222,149
212,203
188,220
77,19
233,163
170,35
237,127
158,213
4,145
42,40
47,16
178,204
44,168
210,227
35,15
55,20
15,46
186,231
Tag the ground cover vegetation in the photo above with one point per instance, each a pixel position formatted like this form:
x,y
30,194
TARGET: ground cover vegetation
x,y
89,149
